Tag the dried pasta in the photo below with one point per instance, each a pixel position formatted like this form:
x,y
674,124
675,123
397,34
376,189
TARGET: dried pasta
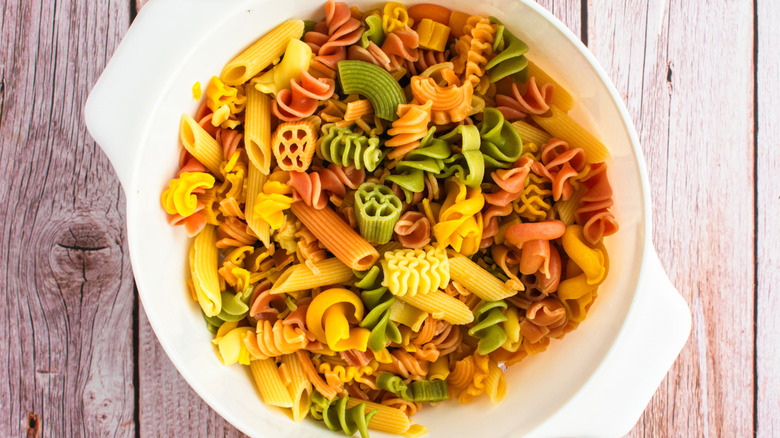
x,y
387,209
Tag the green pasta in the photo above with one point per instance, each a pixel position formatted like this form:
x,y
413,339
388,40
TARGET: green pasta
x,y
487,326
235,307
428,158
336,416
373,32
375,83
344,147
377,209
379,299
420,391
501,144
511,60
468,166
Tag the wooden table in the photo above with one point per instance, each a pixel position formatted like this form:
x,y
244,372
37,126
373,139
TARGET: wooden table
x,y
700,79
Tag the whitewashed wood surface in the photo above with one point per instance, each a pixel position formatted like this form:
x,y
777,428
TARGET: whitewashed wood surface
x,y
700,80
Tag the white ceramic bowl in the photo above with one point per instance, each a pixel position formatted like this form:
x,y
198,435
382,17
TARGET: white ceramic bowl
x,y
596,382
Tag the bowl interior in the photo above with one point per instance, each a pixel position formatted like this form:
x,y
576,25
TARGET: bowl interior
x,y
536,387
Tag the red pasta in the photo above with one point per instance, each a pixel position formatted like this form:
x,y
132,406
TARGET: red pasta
x,y
519,234
593,214
535,101
561,165
426,59
401,47
330,37
302,98
330,184
373,54
413,230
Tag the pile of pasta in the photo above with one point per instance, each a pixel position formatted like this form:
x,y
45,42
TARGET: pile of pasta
x,y
388,208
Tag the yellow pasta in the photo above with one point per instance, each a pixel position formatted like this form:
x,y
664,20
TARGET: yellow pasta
x,y
407,315
441,306
357,109
257,129
254,186
387,419
277,339
561,97
560,125
301,277
262,53
270,384
592,261
576,294
530,133
512,329
297,57
477,280
495,383
415,271
204,260
440,369
200,144
230,345
299,386
329,317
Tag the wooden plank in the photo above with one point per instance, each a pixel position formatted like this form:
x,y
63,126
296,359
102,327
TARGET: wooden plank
x,y
768,184
66,287
666,58
168,406
568,11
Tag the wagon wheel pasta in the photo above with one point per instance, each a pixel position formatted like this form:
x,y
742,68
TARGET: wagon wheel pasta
x,y
388,208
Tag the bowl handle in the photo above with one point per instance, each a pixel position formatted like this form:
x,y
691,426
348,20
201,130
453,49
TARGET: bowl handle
x,y
655,332
117,113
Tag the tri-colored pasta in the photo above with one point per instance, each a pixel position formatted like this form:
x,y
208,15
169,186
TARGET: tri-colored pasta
x,y
387,209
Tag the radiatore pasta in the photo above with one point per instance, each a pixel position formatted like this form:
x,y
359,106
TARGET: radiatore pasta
x,y
388,208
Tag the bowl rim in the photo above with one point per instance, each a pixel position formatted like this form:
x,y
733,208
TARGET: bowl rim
x,y
643,244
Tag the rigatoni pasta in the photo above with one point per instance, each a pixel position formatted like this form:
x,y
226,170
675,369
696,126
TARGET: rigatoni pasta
x,y
401,238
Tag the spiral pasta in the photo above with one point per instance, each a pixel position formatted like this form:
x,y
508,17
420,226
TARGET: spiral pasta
x,y
301,100
409,129
535,101
343,147
331,36
336,416
594,212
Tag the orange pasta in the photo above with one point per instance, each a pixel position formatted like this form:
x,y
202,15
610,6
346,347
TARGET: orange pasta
x,y
337,236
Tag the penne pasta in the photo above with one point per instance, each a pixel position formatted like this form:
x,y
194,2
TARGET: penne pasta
x,y
269,382
407,315
560,125
254,186
299,386
262,53
203,268
387,419
530,134
200,144
337,236
441,306
477,280
257,129
301,277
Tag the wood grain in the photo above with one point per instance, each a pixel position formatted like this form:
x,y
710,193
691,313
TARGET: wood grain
x,y
168,406
66,290
568,11
666,58
768,230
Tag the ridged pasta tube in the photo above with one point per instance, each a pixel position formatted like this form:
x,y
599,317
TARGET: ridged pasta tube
x,y
477,280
